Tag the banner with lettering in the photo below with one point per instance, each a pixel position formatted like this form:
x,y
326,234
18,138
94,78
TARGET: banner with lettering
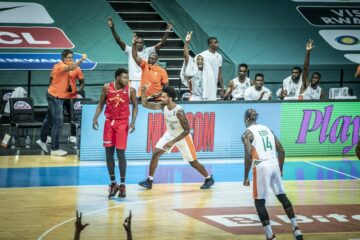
x,y
216,130
320,128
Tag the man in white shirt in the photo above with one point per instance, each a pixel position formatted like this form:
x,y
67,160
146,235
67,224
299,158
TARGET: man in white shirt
x,y
143,52
295,84
314,91
215,60
236,87
258,91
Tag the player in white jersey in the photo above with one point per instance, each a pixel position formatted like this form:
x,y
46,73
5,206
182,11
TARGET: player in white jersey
x,y
236,87
314,91
177,134
265,153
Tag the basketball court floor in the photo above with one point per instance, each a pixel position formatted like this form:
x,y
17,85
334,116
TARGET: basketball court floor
x,y
40,194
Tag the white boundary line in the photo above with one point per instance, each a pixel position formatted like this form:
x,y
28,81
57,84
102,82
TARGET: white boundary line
x,y
330,169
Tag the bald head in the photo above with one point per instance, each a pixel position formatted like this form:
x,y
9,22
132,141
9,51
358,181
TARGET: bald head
x,y
250,117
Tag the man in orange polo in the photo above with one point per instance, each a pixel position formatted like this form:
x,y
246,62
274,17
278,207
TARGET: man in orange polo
x,y
62,86
153,76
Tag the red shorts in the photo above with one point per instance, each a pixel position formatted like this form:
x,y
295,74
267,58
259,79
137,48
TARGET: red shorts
x,y
116,133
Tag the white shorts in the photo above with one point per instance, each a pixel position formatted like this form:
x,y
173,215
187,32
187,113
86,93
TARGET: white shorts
x,y
185,146
266,176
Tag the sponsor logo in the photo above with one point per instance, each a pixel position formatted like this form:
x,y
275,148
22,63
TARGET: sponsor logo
x,y
344,40
353,57
21,105
33,37
341,129
37,61
331,16
311,218
24,12
202,128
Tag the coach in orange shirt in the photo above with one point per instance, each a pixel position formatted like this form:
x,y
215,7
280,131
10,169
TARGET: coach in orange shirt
x,y
62,86
153,76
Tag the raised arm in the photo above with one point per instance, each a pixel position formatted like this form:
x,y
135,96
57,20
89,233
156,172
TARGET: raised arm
x,y
186,47
247,138
100,106
305,74
75,64
160,44
357,73
137,59
281,153
146,103
115,35
134,103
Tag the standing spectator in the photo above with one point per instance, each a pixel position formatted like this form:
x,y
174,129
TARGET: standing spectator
x,y
258,91
198,75
153,76
236,87
215,60
117,95
265,153
142,52
295,84
62,86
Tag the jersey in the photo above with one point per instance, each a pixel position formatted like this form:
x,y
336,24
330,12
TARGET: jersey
x,y
311,93
239,88
197,88
263,145
173,124
117,102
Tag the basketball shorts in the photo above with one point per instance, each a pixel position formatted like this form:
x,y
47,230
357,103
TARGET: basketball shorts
x,y
116,133
185,146
266,176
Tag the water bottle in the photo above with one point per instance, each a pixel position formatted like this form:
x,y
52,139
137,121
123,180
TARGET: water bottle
x,y
27,142
13,143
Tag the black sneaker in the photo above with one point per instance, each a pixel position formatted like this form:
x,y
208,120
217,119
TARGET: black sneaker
x,y
122,192
147,183
297,234
208,183
113,189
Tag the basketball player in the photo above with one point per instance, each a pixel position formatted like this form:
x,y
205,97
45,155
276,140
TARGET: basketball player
x,y
177,134
117,96
264,151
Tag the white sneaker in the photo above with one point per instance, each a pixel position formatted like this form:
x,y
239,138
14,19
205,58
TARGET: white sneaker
x,y
58,152
73,139
42,146
48,140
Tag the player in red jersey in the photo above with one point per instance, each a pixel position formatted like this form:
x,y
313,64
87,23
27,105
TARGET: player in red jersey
x,y
117,96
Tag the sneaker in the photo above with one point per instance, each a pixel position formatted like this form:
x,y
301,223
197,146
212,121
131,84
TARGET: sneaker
x,y
58,152
73,139
208,183
113,189
122,192
272,238
147,183
297,233
48,140
42,146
